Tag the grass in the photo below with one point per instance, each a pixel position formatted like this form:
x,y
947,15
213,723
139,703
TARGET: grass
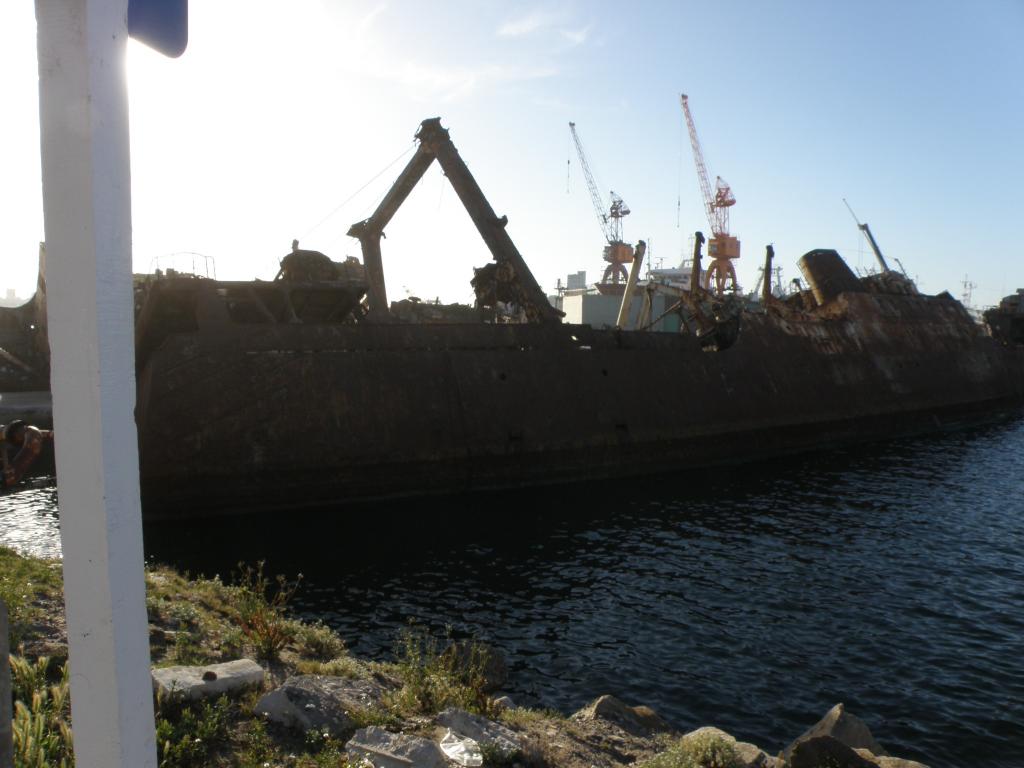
x,y
42,710
706,750
522,718
192,621
189,735
29,587
205,620
318,641
433,680
342,666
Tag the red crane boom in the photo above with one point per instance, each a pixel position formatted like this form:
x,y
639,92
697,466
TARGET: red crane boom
x,y
722,247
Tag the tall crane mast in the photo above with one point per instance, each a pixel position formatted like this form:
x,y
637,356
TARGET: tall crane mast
x,y
722,247
616,253
871,238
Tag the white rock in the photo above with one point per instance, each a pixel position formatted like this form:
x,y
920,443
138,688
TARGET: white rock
x,y
323,703
485,732
384,749
213,680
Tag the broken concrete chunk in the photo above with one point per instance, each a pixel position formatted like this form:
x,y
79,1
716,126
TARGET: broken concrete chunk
x,y
639,720
486,733
212,680
750,755
844,727
384,749
308,702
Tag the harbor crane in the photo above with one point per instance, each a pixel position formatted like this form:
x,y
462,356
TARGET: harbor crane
x,y
617,253
723,247
871,238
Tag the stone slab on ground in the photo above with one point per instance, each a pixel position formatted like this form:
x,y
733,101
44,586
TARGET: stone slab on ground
x,y
486,733
844,727
639,720
212,680
394,750
323,703
750,756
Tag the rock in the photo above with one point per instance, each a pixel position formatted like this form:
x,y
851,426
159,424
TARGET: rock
x,y
307,702
394,750
887,761
466,654
484,732
750,756
504,702
158,635
818,751
195,683
844,727
640,720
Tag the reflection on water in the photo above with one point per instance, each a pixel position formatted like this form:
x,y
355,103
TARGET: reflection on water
x,y
754,599
28,519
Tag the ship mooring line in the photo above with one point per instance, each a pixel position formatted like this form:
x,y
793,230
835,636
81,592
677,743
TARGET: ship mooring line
x,y
351,197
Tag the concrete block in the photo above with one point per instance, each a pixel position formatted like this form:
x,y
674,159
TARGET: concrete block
x,y
194,683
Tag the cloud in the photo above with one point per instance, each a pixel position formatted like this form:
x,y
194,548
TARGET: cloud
x,y
526,25
577,36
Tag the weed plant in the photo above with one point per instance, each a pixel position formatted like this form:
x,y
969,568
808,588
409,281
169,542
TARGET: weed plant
x,y
188,734
261,610
318,641
433,680
41,729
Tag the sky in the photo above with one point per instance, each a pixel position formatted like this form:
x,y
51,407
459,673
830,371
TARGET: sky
x,y
290,120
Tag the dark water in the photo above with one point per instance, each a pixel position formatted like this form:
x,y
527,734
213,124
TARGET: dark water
x,y
888,577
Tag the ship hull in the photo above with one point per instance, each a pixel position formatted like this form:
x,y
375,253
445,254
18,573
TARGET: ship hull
x,y
286,416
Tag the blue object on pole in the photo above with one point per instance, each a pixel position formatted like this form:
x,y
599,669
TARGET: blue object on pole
x,y
160,24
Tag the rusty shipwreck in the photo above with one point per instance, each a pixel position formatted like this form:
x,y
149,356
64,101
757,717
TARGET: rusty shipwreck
x,y
312,390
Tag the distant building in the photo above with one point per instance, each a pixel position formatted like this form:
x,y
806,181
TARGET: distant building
x,y
601,310
576,281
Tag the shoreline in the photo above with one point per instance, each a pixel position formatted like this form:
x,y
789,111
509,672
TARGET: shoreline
x,y
291,694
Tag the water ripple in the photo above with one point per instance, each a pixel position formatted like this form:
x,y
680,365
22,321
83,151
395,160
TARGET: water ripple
x,y
28,520
887,577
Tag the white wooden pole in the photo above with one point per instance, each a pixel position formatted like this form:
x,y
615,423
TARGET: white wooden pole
x,y
83,104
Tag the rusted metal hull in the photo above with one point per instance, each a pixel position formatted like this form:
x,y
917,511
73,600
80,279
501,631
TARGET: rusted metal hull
x,y
257,417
